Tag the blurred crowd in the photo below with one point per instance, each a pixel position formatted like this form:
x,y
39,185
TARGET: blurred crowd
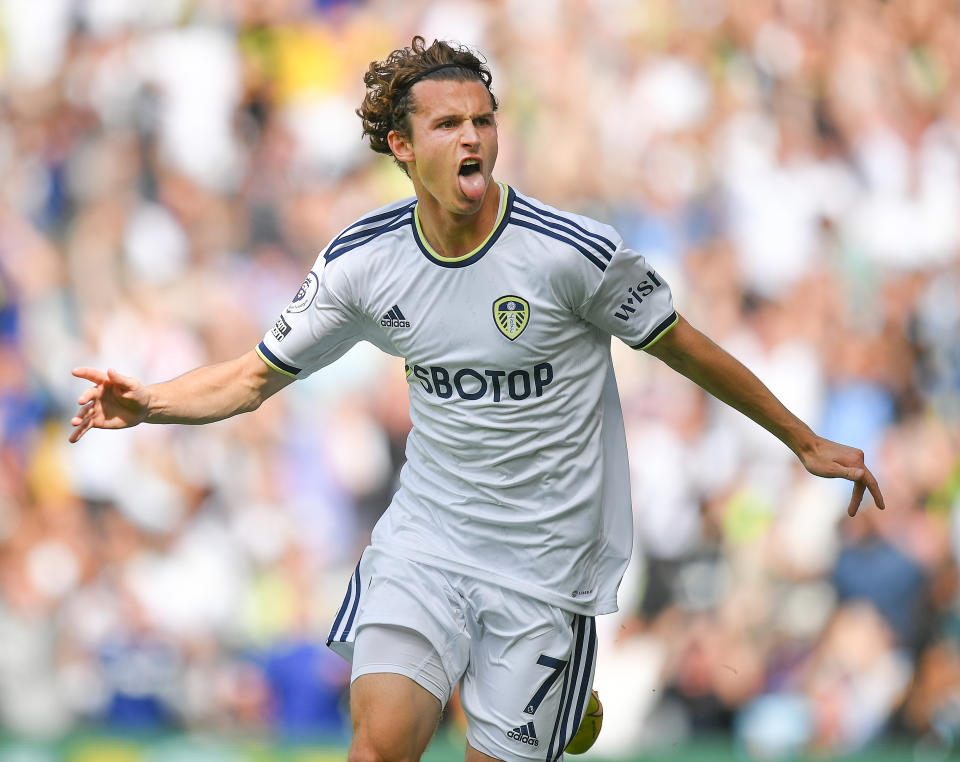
x,y
169,170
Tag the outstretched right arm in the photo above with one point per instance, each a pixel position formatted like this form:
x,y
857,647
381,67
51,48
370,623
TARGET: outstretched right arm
x,y
210,393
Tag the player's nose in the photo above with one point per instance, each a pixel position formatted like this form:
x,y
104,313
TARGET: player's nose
x,y
469,135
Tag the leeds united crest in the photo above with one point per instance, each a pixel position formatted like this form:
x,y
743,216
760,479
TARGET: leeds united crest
x,y
511,314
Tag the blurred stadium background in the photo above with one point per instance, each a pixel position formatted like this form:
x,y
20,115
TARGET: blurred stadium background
x,y
169,169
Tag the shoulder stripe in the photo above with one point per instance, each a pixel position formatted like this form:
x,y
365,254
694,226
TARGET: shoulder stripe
x,y
384,219
552,233
566,231
665,325
342,245
378,217
597,236
275,362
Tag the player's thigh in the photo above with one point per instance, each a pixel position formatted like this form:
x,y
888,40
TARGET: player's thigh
x,y
393,718
478,756
529,678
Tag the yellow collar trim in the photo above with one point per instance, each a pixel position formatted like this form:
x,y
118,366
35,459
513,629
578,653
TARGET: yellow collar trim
x,y
496,226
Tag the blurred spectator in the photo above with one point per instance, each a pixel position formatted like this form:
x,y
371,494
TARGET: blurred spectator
x,y
168,171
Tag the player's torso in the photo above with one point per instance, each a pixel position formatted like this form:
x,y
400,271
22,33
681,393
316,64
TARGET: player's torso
x,y
507,385
490,332
493,329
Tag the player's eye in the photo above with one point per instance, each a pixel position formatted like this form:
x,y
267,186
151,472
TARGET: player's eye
x,y
446,124
483,121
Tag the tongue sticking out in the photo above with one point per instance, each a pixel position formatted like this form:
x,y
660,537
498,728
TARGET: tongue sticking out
x,y
472,185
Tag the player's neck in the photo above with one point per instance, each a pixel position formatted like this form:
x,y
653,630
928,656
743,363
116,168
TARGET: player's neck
x,y
454,235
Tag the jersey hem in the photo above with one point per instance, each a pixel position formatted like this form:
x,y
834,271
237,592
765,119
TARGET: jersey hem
x,y
596,608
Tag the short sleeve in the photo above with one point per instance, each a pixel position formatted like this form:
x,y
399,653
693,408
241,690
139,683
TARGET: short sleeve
x,y
632,301
316,328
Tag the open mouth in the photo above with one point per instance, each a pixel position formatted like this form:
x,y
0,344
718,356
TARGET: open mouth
x,y
471,180
469,167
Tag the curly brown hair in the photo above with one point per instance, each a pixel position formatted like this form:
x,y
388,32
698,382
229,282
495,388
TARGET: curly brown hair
x,y
388,102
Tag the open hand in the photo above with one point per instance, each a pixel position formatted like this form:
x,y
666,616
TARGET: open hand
x,y
834,460
114,402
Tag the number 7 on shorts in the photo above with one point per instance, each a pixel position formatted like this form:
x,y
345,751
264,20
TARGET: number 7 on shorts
x,y
557,665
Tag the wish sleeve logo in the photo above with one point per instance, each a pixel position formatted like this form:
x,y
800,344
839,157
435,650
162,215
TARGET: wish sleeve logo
x,y
636,295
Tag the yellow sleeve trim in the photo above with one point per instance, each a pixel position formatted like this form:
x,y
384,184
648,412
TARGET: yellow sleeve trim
x,y
659,332
268,362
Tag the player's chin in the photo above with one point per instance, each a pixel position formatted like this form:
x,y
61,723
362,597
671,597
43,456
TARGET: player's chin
x,y
467,205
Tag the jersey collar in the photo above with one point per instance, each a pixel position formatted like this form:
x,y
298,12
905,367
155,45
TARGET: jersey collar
x,y
506,202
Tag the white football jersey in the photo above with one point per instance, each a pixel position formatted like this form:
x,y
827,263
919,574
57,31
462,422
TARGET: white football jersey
x,y
516,465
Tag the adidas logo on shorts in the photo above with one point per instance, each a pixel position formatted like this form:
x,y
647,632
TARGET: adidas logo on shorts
x,y
524,734
394,318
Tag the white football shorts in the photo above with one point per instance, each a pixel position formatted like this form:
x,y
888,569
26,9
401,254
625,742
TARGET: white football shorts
x,y
525,668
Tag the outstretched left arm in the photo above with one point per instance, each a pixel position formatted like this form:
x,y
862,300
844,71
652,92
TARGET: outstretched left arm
x,y
692,354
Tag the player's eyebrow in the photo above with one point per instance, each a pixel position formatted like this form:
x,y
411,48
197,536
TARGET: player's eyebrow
x,y
460,117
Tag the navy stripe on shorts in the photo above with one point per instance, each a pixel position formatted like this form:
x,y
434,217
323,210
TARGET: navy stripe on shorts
x,y
351,602
577,679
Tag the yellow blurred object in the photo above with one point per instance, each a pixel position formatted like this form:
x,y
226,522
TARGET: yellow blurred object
x,y
313,60
589,727
308,63
46,470
105,750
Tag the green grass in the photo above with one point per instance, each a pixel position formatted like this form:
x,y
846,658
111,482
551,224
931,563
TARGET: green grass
x,y
447,747
450,749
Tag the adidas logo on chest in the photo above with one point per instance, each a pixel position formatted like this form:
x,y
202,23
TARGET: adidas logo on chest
x,y
394,318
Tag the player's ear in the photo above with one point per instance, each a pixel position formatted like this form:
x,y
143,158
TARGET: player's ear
x,y
401,146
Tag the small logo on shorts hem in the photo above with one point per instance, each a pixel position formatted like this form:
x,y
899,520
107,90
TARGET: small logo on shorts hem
x,y
524,734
